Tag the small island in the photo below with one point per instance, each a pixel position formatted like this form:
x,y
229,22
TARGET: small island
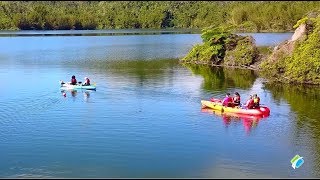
x,y
294,61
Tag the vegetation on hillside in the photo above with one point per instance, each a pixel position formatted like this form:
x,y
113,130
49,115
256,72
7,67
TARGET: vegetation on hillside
x,y
221,47
247,16
303,64
293,61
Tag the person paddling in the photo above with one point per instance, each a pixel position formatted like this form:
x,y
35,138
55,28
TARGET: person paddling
x,y
236,99
73,80
249,104
256,101
86,81
227,101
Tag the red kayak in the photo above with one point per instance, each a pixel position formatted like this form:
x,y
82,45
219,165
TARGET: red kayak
x,y
220,113
217,105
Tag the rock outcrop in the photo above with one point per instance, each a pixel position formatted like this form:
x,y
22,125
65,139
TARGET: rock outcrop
x,y
286,48
244,53
223,48
297,60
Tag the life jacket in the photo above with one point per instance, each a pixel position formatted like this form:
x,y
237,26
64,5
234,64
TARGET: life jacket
x,y
250,104
227,101
236,100
87,82
73,81
256,101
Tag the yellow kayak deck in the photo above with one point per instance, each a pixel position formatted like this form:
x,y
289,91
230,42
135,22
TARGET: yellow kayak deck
x,y
238,110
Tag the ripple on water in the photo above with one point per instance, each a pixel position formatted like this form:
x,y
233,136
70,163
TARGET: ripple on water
x,y
144,119
31,173
21,114
227,168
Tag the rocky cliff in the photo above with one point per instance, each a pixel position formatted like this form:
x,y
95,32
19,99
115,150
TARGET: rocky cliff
x,y
297,60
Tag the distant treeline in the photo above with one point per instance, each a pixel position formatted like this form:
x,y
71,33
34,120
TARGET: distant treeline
x,y
255,16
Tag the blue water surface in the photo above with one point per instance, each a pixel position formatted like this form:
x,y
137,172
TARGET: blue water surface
x,y
144,119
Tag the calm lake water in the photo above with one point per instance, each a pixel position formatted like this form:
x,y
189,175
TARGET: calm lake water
x,y
145,118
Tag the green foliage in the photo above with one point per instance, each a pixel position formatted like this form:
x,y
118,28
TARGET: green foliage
x,y
216,33
243,55
265,50
301,21
273,69
303,65
247,26
221,45
202,53
213,47
247,16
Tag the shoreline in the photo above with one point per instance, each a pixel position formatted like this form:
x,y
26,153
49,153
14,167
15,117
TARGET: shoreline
x,y
157,29
220,65
255,69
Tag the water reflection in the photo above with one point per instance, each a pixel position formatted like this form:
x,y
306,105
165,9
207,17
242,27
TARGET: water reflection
x,y
74,93
304,102
86,96
219,78
140,71
248,122
141,68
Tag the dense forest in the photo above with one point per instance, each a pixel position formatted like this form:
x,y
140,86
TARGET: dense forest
x,y
255,16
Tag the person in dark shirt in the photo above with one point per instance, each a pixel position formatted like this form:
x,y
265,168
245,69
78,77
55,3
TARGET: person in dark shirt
x,y
73,80
236,99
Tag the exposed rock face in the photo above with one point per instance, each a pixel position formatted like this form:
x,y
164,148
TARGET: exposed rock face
x,y
297,60
299,32
286,48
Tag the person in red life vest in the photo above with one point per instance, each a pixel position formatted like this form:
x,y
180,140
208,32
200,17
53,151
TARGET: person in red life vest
x,y
236,99
86,82
250,103
256,101
227,101
73,80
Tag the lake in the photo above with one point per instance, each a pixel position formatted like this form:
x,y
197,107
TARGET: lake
x,y
145,118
